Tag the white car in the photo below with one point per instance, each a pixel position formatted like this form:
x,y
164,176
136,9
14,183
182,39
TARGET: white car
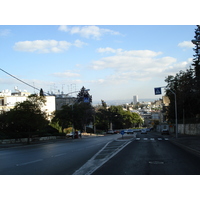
x,y
73,134
144,131
110,132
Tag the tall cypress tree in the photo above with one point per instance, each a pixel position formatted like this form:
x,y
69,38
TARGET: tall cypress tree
x,y
196,64
196,59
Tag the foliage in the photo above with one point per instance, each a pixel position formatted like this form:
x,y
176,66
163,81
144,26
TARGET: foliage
x,y
77,115
25,118
117,116
84,96
186,86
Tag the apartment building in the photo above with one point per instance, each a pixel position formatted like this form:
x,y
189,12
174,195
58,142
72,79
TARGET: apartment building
x,y
8,101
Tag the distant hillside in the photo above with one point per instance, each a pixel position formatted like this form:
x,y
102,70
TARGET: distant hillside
x,y
120,102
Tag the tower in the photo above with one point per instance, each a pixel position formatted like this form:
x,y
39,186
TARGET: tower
x,y
135,99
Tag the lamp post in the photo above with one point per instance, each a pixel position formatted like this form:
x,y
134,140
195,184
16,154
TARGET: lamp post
x,y
85,90
158,91
175,112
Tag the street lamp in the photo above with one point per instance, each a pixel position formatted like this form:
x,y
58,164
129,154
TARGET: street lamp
x,y
85,90
158,91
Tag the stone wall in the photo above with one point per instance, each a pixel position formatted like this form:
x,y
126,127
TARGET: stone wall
x,y
24,140
189,129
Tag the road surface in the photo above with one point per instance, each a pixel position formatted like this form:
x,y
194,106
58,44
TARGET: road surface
x,y
151,154
61,157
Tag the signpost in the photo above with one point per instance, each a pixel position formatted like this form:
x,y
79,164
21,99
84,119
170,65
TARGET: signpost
x,y
86,100
122,133
157,91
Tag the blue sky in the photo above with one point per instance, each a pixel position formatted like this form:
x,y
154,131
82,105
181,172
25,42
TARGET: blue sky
x,y
114,61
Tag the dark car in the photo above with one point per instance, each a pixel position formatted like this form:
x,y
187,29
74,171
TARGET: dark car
x,y
165,131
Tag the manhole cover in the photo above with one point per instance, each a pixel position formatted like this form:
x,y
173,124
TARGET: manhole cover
x,y
156,162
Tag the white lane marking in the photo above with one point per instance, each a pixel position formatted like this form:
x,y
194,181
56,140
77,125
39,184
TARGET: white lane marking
x,y
159,138
145,138
152,139
93,164
138,138
166,138
62,154
27,163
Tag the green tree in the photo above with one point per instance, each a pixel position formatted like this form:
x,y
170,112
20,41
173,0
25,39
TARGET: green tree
x,y
77,115
183,85
62,118
84,96
119,118
25,118
82,115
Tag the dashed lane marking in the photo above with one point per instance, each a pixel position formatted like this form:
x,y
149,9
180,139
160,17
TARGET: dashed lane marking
x,y
27,163
152,139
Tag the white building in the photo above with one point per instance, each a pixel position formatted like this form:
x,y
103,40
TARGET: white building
x,y
135,99
8,102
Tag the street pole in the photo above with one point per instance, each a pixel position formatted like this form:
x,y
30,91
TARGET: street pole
x,y
176,116
176,121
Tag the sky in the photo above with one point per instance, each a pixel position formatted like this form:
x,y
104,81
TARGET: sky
x,y
115,62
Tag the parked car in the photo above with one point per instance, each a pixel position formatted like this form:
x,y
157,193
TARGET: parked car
x,y
130,131
75,134
116,131
144,131
110,132
165,131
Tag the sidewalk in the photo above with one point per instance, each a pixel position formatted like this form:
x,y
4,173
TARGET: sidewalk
x,y
190,143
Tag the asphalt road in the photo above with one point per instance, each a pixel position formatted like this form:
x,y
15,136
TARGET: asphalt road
x,y
151,154
62,157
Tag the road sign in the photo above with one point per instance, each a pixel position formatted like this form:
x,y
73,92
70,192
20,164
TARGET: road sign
x,y
122,132
86,100
157,91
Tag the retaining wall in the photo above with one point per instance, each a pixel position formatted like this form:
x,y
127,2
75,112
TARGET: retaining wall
x,y
23,140
189,129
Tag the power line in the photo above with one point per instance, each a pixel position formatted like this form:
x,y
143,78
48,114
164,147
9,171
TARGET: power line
x,y
19,79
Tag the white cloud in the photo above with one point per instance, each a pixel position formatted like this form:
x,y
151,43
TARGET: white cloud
x,y
66,74
4,32
46,46
88,31
133,65
79,43
186,44
108,50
